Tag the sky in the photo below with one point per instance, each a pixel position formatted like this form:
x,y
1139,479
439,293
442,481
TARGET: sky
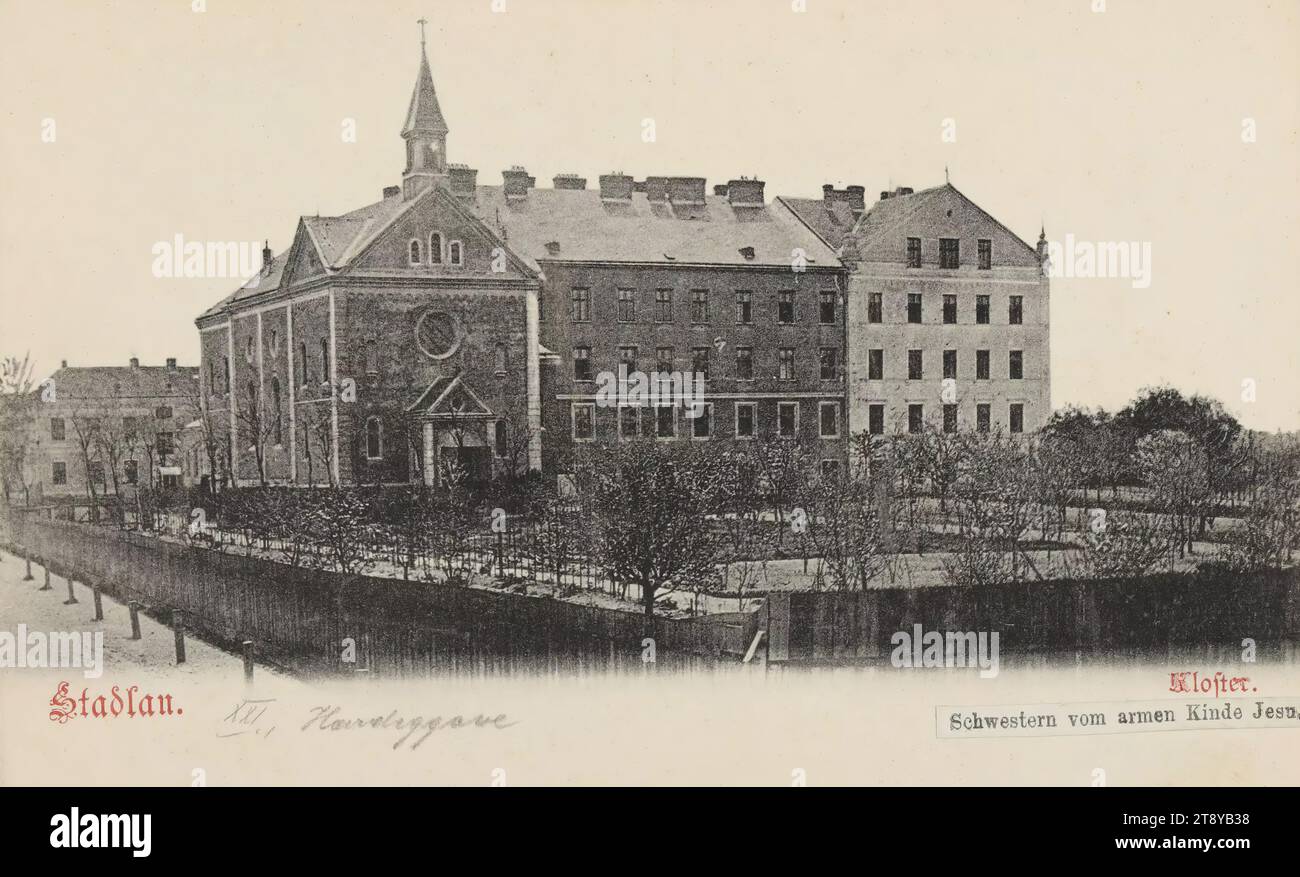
x,y
1168,124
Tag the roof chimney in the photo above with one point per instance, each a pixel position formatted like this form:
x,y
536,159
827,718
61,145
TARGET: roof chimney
x,y
569,181
745,192
392,192
686,190
854,196
517,182
463,180
266,254
64,365
171,363
135,362
616,187
720,189
656,189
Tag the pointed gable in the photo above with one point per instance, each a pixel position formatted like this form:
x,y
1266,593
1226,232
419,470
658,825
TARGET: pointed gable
x,y
437,211
881,233
449,397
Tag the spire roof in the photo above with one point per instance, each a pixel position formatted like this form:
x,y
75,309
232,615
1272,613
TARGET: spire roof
x,y
424,115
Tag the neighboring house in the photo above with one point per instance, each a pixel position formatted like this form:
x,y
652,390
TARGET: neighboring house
x,y
485,323
948,317
114,426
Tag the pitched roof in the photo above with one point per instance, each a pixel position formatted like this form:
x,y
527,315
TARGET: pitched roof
x,y
832,222
424,113
577,225
122,382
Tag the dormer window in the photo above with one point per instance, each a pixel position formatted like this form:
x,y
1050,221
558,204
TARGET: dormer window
x,y
456,253
435,248
415,252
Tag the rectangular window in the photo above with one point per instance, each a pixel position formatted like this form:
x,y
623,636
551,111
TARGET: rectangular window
x,y
986,254
59,473
627,358
584,421
96,472
629,421
699,306
949,252
913,252
876,364
744,307
826,308
950,364
58,430
785,363
663,305
666,422
830,469
130,425
915,418
785,307
876,419
163,412
626,305
828,419
981,365
702,423
950,418
745,419
581,305
1016,310
787,419
950,309
981,309
875,308
744,363
166,446
982,417
914,307
1016,365
582,363
663,359
1017,417
700,361
131,469
830,364
915,365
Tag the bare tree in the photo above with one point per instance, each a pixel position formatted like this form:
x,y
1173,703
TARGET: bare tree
x,y
17,411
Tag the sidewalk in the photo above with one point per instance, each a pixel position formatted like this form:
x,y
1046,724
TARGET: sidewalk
x,y
24,603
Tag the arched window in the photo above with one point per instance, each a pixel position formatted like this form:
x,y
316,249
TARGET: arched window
x,y
302,360
501,359
372,357
502,439
435,248
374,439
324,360
251,387
456,253
275,401
415,252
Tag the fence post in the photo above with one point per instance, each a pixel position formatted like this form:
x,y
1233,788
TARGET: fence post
x,y
99,604
178,625
46,586
248,660
72,597
135,619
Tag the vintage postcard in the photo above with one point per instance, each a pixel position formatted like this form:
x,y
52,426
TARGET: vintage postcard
x,y
515,393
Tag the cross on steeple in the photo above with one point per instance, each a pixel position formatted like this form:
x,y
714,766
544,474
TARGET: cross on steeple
x,y
422,22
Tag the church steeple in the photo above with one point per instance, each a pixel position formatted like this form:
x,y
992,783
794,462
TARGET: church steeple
x,y
425,132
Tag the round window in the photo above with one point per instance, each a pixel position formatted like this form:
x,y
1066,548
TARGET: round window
x,y
437,334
